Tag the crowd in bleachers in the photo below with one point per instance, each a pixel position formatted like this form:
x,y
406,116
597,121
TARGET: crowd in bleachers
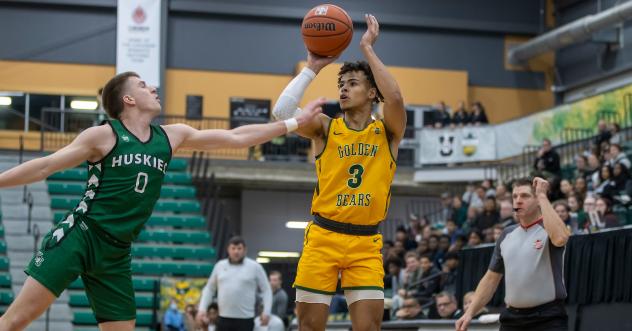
x,y
442,116
421,262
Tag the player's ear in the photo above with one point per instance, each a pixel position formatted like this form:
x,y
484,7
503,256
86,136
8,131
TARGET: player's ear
x,y
372,93
129,100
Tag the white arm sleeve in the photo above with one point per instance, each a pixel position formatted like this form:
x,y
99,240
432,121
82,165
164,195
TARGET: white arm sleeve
x,y
208,291
287,105
266,290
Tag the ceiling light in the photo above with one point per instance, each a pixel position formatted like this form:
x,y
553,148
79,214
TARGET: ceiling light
x,y
263,260
296,225
84,104
278,254
5,101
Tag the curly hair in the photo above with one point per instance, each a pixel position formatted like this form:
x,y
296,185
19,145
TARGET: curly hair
x,y
364,67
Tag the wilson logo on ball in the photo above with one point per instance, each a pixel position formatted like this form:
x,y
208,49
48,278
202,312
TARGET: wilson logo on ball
x,y
320,26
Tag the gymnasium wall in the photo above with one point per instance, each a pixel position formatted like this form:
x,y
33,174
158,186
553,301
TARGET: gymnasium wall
x,y
439,50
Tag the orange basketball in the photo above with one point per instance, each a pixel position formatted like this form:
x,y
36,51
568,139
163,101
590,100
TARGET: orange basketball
x,y
327,30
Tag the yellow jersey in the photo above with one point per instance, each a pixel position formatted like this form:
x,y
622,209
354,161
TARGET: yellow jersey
x,y
355,172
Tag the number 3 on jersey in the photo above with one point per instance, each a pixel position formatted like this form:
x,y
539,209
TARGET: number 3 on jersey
x,y
356,172
141,182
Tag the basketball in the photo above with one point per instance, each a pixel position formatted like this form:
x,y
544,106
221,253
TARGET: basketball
x,y
327,30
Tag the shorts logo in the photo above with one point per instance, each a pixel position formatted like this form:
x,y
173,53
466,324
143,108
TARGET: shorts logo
x,y
39,258
125,138
83,226
538,244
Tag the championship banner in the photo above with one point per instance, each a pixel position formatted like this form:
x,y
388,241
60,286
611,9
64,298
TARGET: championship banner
x,y
457,145
183,291
138,39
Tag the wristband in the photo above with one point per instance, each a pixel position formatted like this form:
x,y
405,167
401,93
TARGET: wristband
x,y
291,124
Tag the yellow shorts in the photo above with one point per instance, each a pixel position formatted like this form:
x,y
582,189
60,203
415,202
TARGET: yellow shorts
x,y
358,259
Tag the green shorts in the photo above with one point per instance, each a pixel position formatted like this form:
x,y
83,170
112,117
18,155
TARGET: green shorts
x,y
84,250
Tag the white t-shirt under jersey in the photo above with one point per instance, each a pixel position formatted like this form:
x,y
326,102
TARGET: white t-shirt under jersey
x,y
236,286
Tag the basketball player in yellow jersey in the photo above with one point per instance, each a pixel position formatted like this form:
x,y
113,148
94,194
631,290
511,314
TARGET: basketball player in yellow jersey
x,y
355,165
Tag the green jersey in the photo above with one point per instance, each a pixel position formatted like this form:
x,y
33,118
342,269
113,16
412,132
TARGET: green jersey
x,y
124,186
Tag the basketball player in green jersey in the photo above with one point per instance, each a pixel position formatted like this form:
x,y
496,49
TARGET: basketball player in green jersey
x,y
127,160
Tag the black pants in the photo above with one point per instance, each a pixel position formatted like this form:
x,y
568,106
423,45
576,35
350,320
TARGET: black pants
x,y
235,324
547,317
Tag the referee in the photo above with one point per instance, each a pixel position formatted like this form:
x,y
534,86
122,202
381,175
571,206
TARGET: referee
x,y
530,255
236,281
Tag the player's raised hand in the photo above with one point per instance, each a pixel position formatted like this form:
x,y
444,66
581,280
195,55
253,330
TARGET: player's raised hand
x,y
372,31
316,62
540,186
311,110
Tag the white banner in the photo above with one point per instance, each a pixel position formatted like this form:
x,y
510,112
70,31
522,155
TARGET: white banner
x,y
457,145
138,39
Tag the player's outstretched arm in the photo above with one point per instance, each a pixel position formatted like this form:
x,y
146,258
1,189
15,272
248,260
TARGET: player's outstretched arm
x,y
394,111
84,147
184,136
287,104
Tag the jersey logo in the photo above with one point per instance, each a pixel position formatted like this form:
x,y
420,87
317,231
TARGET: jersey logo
x,y
39,258
125,138
538,244
337,133
377,130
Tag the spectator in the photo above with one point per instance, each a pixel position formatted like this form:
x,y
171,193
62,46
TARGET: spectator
x,y
467,301
410,310
594,166
620,178
433,247
502,193
547,159
236,281
472,214
447,210
189,317
447,307
604,135
488,217
441,116
603,206
506,213
401,235
605,178
580,187
581,167
479,117
490,191
460,116
616,134
279,296
498,230
459,211
451,230
618,156
212,315
423,247
393,278
574,205
411,274
461,241
173,319
473,196
426,289
444,247
564,212
449,269
566,189
474,239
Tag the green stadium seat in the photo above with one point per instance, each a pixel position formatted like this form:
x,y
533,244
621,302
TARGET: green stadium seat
x,y
4,263
63,203
70,188
175,236
75,174
5,280
6,296
2,234
141,284
177,192
86,317
174,252
185,206
178,165
189,269
182,178
143,300
3,247
189,221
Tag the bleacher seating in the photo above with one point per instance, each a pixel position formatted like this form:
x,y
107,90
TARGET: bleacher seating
x,y
174,241
6,293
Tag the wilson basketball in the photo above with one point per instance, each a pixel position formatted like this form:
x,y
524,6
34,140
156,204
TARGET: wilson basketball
x,y
327,30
